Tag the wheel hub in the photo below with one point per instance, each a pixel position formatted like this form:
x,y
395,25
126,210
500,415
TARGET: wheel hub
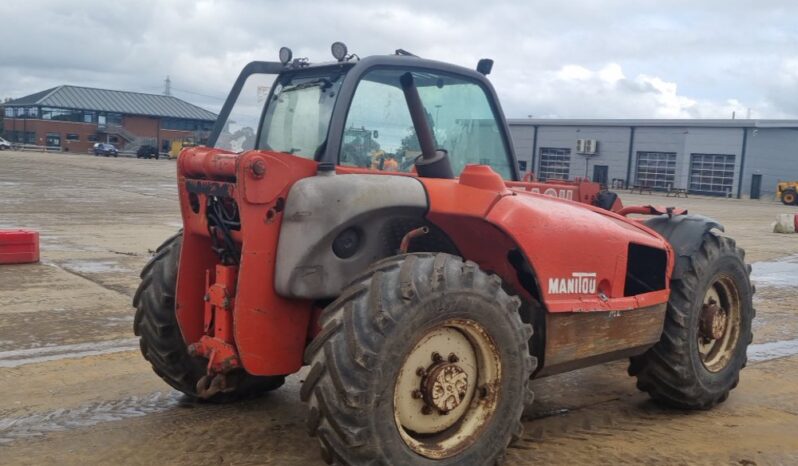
x,y
713,321
719,323
445,387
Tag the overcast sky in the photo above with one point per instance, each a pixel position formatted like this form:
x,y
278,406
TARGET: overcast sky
x,y
570,59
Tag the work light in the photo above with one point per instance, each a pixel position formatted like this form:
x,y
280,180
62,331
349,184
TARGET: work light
x,y
285,55
338,50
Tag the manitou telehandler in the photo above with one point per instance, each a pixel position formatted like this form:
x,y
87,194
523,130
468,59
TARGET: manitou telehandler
x,y
426,293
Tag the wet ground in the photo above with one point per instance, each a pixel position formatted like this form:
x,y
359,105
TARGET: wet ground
x,y
76,391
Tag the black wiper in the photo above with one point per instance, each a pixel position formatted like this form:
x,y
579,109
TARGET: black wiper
x,y
323,83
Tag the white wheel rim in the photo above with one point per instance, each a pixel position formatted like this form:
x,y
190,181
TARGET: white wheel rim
x,y
441,405
715,353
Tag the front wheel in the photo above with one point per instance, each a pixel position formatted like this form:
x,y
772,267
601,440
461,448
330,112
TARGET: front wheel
x,y
707,330
789,197
424,360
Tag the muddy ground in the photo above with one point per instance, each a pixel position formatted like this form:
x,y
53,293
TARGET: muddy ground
x,y
76,391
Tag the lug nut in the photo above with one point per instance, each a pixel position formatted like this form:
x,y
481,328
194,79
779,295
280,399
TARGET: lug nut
x,y
453,358
436,357
421,372
416,394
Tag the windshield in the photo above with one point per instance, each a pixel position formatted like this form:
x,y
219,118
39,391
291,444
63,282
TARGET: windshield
x,y
379,132
239,129
298,114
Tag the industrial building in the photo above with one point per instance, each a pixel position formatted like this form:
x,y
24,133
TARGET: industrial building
x,y
73,118
734,158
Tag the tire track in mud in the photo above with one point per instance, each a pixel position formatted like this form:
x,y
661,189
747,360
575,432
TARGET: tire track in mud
x,y
87,415
16,358
557,427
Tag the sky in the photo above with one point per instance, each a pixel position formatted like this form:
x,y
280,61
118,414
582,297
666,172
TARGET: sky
x,y
553,59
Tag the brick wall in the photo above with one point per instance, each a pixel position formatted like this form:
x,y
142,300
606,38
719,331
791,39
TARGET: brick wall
x,y
140,126
62,128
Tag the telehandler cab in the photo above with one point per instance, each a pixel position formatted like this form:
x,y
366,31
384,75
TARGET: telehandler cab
x,y
369,220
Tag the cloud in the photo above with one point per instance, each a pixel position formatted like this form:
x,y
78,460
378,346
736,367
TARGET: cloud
x,y
577,91
569,59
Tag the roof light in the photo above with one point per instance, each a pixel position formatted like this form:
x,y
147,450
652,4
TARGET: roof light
x,y
285,55
338,50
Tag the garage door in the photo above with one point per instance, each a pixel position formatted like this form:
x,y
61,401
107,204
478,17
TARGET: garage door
x,y
656,170
555,163
711,174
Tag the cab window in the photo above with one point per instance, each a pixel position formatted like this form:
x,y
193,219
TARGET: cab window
x,y
379,132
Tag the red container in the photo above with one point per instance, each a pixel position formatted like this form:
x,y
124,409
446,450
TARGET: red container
x,y
19,246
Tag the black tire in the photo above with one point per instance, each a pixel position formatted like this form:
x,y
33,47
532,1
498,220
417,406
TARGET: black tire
x,y
673,371
367,332
789,197
161,341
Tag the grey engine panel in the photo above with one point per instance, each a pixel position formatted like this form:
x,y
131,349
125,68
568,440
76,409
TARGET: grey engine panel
x,y
319,208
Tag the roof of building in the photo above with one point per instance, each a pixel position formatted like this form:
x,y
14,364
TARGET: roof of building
x,y
676,122
104,100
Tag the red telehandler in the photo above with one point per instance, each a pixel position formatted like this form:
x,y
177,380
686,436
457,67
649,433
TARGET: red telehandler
x,y
425,293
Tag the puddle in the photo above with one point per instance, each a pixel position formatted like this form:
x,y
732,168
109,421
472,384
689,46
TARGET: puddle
x,y
772,350
778,273
16,358
93,266
39,424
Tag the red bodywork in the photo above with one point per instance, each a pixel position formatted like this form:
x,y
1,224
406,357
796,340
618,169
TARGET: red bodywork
x,y
484,216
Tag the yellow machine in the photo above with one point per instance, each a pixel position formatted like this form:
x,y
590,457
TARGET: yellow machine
x,y
178,145
787,192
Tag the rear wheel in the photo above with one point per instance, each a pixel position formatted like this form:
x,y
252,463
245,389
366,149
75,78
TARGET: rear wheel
x,y
161,341
789,197
424,360
706,333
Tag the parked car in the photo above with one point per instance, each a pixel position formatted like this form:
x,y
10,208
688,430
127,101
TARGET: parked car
x,y
103,148
147,152
4,145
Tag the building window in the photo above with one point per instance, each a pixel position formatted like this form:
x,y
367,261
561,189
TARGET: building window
x,y
89,117
72,137
62,114
113,139
92,138
712,174
9,112
180,124
30,137
656,170
555,163
114,119
53,139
